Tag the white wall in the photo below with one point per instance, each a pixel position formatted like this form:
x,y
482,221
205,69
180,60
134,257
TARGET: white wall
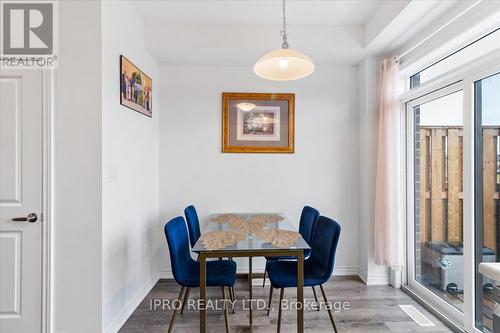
x,y
370,273
129,172
76,197
323,172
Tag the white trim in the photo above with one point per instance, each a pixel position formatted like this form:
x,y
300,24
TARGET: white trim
x,y
373,280
166,275
452,77
346,271
474,23
410,190
123,316
47,179
403,57
404,189
468,202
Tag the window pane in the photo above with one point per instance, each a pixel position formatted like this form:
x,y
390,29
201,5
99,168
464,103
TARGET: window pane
x,y
473,51
487,182
438,197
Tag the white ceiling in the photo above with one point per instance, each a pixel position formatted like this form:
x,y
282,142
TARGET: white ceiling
x,y
336,12
238,32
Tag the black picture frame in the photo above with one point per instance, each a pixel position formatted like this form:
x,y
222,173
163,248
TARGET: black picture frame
x,y
133,95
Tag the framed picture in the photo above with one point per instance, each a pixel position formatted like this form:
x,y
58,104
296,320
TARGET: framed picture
x,y
136,88
257,123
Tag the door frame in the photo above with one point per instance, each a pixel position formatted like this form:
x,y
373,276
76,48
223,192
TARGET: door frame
x,y
462,77
434,299
469,149
47,192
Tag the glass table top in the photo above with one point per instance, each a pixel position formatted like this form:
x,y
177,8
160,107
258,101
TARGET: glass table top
x,y
250,242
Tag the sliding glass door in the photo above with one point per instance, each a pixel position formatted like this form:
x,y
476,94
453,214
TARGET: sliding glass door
x,y
487,192
453,193
436,157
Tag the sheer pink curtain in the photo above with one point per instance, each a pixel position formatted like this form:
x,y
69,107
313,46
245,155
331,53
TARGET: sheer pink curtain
x,y
389,239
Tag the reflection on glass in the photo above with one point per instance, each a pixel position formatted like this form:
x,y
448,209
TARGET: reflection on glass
x,y
439,259
487,189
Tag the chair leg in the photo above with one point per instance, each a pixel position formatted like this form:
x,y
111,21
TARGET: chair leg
x,y
270,300
225,309
315,297
171,325
232,297
279,309
329,310
231,290
185,299
264,280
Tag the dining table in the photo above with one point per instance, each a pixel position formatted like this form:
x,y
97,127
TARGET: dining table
x,y
250,245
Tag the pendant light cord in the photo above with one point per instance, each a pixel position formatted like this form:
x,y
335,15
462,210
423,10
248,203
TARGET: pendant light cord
x,y
283,32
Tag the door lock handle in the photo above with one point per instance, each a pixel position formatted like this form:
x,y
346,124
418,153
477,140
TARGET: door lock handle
x,y
32,217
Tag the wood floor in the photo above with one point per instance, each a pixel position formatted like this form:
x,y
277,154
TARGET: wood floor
x,y
372,309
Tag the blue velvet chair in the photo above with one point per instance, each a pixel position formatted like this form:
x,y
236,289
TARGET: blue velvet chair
x,y
186,271
318,267
193,224
308,219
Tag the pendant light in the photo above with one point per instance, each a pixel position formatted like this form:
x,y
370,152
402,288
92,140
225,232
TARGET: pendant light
x,y
284,64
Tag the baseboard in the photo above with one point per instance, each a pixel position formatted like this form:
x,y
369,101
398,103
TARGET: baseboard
x,y
373,280
362,276
121,318
166,275
345,270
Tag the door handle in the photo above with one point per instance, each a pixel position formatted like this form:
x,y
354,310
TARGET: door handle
x,y
32,217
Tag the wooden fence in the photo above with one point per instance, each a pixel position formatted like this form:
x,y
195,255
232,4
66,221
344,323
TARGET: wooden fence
x,y
441,184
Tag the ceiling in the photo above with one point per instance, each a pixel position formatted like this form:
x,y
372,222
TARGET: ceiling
x,y
337,12
238,32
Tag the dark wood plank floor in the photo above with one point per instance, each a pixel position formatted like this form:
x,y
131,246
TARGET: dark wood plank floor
x,y
372,309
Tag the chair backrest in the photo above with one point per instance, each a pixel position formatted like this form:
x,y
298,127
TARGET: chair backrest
x,y
193,224
308,219
324,244
178,245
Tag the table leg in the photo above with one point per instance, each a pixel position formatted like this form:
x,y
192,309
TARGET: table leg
x,y
250,280
203,292
300,292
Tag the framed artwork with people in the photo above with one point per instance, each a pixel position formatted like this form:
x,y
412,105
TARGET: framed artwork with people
x,y
136,88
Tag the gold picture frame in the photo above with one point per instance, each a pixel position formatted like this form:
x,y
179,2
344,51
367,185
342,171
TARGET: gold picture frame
x,y
258,122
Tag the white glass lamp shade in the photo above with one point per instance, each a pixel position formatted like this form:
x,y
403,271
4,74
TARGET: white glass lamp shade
x,y
284,65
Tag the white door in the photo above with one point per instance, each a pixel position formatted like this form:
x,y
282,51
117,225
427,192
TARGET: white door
x,y
21,200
